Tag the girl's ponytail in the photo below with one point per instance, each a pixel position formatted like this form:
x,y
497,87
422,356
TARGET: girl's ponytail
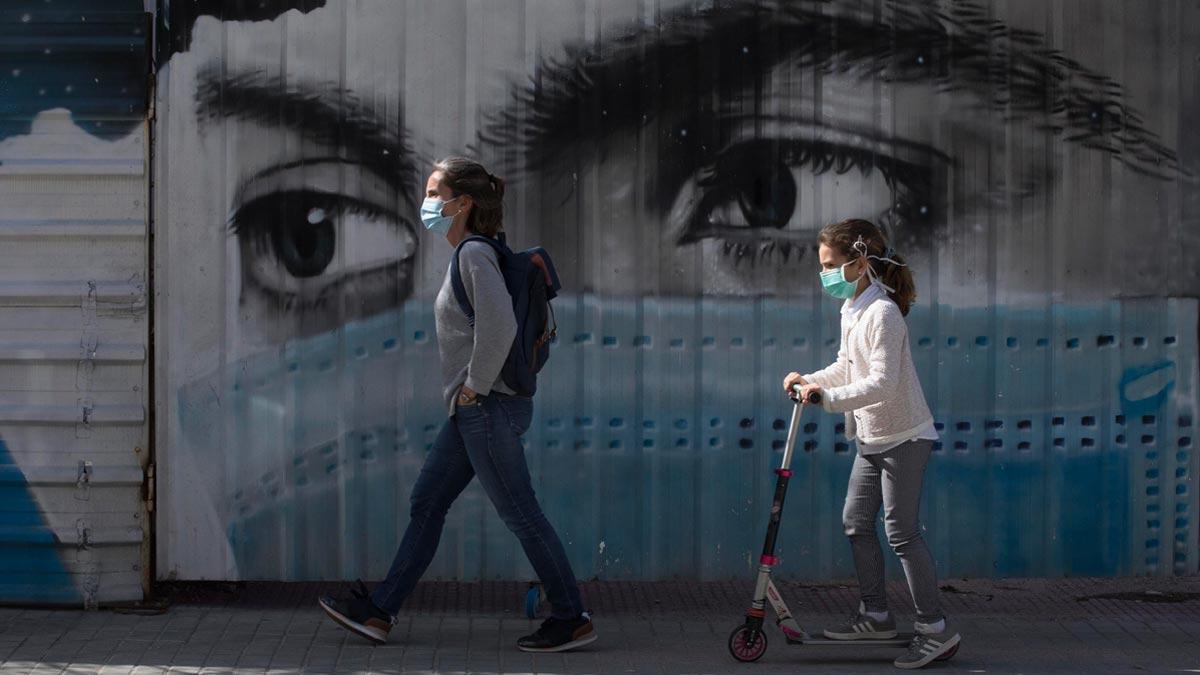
x,y
904,290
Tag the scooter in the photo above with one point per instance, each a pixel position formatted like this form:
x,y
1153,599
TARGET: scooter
x,y
748,642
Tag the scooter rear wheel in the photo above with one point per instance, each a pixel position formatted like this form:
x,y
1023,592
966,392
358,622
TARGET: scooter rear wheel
x,y
742,649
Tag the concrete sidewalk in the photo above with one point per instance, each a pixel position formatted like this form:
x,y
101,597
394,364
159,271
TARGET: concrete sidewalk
x,y
1096,626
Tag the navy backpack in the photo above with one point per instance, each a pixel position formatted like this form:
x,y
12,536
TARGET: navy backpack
x,y
532,283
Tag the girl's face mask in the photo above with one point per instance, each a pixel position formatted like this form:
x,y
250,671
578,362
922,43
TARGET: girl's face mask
x,y
834,282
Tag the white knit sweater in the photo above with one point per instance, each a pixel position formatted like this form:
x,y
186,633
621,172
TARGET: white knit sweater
x,y
873,380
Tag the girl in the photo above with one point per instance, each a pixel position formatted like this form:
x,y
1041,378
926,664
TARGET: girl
x,y
875,384
481,435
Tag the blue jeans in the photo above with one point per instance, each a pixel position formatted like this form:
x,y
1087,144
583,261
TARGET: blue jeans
x,y
482,439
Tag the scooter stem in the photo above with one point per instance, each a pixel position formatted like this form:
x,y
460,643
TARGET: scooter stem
x,y
794,428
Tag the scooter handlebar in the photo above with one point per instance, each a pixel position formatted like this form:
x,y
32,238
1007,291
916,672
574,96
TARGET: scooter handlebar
x,y
814,398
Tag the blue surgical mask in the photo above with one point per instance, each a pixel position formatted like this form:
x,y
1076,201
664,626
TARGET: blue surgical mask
x,y
431,215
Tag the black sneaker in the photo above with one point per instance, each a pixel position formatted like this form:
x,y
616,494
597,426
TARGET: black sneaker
x,y
925,649
862,627
358,614
559,635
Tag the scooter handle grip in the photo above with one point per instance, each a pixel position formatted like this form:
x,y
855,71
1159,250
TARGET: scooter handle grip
x,y
814,398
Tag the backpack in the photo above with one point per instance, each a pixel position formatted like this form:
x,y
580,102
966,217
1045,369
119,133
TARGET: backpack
x,y
532,282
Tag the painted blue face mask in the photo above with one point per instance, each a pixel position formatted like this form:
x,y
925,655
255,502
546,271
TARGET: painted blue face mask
x,y
431,215
287,443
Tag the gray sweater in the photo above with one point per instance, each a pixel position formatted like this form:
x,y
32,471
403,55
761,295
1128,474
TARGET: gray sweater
x,y
474,356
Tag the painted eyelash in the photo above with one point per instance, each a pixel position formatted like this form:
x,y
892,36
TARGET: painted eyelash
x,y
821,157
291,302
754,254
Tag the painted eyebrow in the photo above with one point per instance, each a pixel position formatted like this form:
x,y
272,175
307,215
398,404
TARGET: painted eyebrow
x,y
324,114
630,80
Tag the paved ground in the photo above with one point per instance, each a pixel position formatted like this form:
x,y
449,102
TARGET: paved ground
x,y
1094,626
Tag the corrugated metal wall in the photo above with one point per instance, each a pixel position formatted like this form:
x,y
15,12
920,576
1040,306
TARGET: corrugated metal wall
x,y
677,158
74,203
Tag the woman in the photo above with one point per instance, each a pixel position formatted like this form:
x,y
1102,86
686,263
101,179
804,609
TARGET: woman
x,y
875,384
481,435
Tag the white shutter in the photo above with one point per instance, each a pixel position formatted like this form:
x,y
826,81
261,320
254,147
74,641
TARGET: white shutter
x,y
74,329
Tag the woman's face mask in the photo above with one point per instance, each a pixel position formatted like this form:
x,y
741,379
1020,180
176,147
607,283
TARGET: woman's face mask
x,y
431,215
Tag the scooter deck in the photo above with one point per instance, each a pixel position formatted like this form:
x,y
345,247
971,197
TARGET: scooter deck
x,y
901,640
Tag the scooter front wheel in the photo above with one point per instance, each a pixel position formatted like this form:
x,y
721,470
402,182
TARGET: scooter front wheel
x,y
743,648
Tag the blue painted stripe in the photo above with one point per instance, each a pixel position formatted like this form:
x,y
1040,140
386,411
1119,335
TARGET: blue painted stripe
x,y
30,567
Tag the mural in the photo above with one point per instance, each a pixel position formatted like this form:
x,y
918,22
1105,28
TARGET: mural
x,y
677,158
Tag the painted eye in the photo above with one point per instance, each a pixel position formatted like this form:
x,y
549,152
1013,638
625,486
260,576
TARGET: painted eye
x,y
304,240
300,245
765,196
768,198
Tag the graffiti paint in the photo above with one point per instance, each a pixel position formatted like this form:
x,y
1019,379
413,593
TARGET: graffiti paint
x,y
33,570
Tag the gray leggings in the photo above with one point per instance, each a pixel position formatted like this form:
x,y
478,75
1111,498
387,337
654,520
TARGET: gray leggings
x,y
893,479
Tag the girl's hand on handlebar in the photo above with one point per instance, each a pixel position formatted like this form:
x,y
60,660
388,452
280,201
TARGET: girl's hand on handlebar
x,y
808,390
790,381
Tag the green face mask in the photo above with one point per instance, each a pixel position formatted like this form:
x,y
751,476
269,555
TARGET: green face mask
x,y
834,282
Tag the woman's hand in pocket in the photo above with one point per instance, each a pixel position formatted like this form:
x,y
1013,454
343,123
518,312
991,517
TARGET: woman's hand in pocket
x,y
466,396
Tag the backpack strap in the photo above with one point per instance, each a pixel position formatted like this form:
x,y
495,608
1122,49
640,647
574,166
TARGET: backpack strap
x,y
456,283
